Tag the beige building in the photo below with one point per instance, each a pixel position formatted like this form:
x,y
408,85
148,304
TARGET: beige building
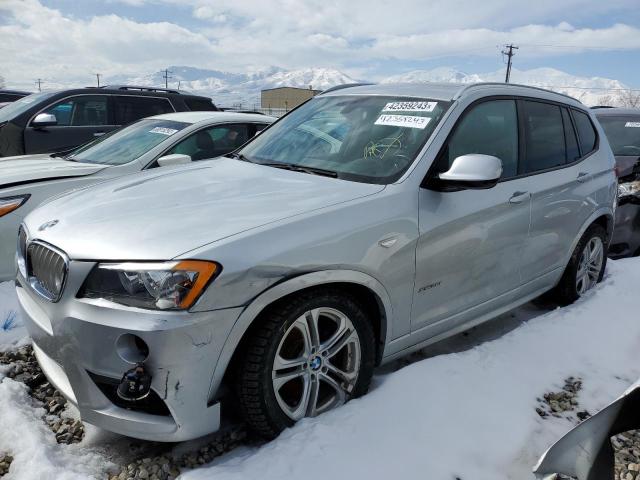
x,y
285,97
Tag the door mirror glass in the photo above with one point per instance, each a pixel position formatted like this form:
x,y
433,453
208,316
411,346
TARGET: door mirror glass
x,y
44,120
473,170
173,159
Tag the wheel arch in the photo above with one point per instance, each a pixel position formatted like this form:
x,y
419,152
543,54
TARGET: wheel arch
x,y
603,217
360,284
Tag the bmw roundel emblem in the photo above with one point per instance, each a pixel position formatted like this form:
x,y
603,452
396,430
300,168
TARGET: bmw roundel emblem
x,y
49,224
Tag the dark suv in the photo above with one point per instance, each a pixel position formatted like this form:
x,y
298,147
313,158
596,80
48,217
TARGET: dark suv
x,y
57,121
12,95
622,127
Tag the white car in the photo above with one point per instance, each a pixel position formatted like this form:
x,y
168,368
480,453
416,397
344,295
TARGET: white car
x,y
175,138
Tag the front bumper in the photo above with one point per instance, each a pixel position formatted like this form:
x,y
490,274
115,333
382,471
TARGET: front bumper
x,y
75,343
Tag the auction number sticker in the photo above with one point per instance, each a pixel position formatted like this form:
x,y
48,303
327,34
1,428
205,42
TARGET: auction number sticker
x,y
632,124
403,121
410,107
163,130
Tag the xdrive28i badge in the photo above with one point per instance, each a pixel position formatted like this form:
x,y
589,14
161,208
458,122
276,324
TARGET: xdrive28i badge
x,y
49,224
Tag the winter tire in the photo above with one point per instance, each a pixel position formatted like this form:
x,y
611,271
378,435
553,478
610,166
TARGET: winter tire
x,y
305,357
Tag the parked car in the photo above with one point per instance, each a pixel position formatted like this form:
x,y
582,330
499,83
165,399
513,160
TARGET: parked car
x,y
622,127
163,140
275,280
58,121
586,453
12,95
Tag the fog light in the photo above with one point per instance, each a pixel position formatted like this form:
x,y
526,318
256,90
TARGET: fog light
x,y
135,384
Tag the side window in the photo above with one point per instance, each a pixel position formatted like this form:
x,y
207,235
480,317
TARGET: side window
x,y
586,132
490,128
131,108
544,136
212,142
80,111
199,104
571,141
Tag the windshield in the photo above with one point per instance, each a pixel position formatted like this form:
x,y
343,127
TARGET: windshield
x,y
370,139
20,106
623,134
128,143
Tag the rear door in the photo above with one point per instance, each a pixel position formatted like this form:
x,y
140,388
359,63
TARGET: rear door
x,y
129,108
558,143
470,246
80,118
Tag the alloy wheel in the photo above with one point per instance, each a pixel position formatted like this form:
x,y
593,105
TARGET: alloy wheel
x,y
590,265
316,364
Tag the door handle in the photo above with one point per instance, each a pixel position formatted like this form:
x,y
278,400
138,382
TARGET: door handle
x,y
519,197
98,134
583,177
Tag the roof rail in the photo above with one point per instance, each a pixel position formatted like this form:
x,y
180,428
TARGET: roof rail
x,y
602,106
344,85
502,84
140,88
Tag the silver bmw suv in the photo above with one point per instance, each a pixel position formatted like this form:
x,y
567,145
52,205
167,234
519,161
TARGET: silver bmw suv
x,y
366,224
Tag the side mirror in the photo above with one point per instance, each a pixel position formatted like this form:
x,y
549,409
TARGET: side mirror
x,y
475,171
44,120
174,159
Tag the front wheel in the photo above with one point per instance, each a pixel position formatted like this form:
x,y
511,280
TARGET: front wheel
x,y
305,357
586,266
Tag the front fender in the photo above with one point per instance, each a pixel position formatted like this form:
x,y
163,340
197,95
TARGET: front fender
x,y
301,282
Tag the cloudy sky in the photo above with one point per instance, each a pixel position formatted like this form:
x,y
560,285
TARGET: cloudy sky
x,y
63,40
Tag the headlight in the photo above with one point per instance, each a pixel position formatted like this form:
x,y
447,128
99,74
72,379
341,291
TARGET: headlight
x,y
9,204
162,286
628,189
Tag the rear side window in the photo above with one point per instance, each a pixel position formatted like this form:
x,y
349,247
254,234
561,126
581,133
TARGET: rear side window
x,y
130,108
544,136
573,152
199,104
490,128
586,132
80,111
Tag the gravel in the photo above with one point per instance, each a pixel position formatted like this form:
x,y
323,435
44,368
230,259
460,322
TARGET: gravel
x,y
627,455
23,367
5,463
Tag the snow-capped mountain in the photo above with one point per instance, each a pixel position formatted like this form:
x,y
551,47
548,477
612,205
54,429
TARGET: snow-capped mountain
x,y
589,90
228,89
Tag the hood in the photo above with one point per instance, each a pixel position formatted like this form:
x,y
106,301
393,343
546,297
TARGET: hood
x,y
626,164
160,214
33,168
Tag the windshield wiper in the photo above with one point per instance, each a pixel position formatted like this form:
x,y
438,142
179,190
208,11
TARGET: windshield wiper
x,y
238,156
302,168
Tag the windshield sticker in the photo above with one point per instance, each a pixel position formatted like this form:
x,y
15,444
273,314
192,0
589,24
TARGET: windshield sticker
x,y
410,107
163,130
403,121
632,124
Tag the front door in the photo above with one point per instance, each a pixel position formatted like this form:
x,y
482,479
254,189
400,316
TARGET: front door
x,y
81,118
469,251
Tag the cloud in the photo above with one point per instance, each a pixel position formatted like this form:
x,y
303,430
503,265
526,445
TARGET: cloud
x,y
38,41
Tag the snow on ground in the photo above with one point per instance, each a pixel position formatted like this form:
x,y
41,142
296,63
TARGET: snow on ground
x,y
463,408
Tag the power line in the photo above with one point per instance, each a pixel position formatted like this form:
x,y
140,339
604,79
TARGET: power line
x,y
509,54
587,47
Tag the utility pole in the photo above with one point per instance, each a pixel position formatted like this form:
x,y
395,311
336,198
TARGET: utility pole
x,y
179,82
509,53
166,77
98,77
39,83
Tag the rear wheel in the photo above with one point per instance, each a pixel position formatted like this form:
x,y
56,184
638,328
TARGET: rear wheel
x,y
586,266
307,356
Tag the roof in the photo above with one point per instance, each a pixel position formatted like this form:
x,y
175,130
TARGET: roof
x,y
196,117
290,88
601,112
448,91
